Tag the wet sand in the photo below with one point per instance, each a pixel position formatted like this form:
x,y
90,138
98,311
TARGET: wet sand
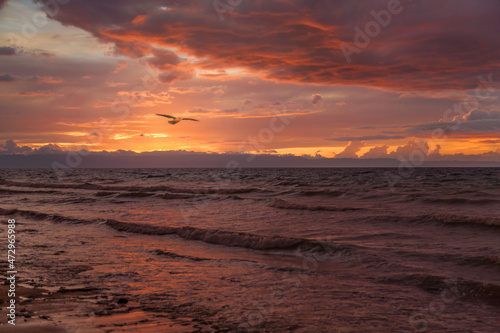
x,y
42,311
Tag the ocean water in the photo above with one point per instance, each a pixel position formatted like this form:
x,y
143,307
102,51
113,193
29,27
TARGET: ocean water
x,y
263,250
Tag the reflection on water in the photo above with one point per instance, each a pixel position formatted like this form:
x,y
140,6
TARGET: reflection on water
x,y
263,249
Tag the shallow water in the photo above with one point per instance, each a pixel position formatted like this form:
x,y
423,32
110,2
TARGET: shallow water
x,y
327,250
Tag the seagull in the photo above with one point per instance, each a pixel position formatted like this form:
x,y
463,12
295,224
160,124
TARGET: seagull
x,y
175,120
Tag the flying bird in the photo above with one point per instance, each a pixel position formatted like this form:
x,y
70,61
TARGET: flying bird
x,y
175,120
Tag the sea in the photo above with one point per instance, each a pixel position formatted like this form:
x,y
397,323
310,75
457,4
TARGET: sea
x,y
261,250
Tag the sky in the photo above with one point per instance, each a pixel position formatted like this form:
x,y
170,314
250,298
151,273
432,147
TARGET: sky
x,y
334,79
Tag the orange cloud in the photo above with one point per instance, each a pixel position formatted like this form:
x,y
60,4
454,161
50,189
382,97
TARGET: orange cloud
x,y
139,19
298,41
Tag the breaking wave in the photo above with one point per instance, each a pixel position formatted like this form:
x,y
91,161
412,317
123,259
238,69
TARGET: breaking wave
x,y
177,256
134,188
211,236
229,238
56,218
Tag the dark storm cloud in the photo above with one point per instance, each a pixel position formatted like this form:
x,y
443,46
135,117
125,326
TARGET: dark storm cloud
x,y
7,50
7,78
475,121
11,147
163,59
301,41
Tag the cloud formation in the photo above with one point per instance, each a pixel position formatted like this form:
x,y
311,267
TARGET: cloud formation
x,y
47,155
316,99
376,152
176,74
300,41
475,121
7,50
7,78
367,138
12,148
350,151
265,58
213,112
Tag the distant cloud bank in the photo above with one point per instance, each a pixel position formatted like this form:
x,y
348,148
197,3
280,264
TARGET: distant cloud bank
x,y
14,156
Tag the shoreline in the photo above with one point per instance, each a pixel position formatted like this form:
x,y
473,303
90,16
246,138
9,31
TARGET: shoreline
x,y
82,310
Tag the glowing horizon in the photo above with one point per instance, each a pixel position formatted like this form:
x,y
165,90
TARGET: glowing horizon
x,y
274,77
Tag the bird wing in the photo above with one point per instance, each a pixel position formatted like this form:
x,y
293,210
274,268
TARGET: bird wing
x,y
165,115
190,119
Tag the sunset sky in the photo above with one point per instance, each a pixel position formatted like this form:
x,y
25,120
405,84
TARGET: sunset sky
x,y
331,78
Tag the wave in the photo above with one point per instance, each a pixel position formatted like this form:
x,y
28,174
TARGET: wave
x,y
166,196
474,192
72,200
173,196
11,191
135,195
105,194
291,270
119,202
283,204
56,218
462,260
492,223
177,256
491,261
230,238
454,288
462,220
391,235
460,201
140,228
291,183
380,195
474,261
236,190
135,188
327,193
284,269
